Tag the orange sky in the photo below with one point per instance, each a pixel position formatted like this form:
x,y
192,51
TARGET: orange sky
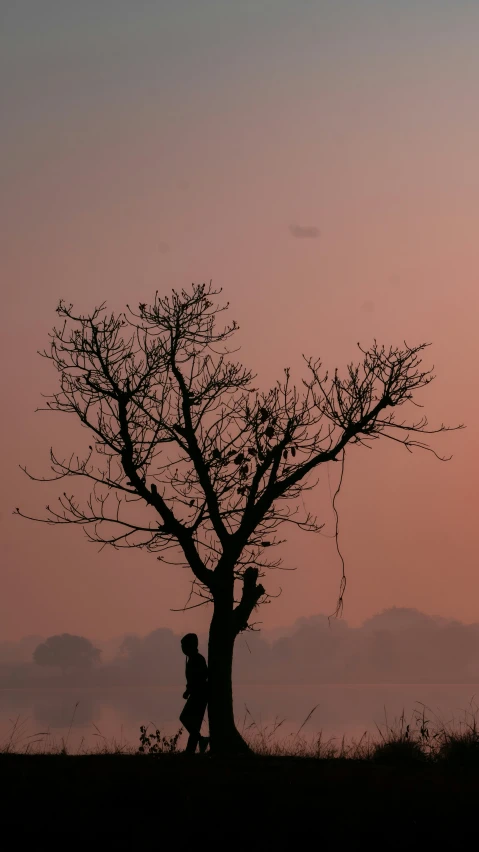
x,y
150,145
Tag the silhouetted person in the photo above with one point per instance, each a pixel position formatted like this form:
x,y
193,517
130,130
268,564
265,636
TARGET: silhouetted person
x,y
196,693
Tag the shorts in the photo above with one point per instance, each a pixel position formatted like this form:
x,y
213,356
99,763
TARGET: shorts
x,y
194,710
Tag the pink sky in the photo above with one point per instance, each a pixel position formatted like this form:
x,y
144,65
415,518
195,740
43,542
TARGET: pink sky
x,y
151,148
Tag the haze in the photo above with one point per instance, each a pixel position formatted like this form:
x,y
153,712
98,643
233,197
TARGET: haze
x,y
399,662
316,160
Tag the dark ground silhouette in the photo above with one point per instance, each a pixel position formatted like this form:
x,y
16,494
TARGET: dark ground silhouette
x,y
244,803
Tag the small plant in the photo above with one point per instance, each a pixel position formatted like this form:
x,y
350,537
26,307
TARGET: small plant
x,y
64,748
156,744
402,743
399,750
460,745
460,749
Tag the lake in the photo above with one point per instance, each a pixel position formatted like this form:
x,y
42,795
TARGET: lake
x,y
88,718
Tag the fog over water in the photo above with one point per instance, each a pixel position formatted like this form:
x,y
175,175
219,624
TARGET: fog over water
x,y
93,717
398,661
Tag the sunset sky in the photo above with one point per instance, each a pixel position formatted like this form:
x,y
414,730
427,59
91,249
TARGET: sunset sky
x,y
146,145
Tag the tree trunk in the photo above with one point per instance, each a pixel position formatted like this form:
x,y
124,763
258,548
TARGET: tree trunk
x,y
224,736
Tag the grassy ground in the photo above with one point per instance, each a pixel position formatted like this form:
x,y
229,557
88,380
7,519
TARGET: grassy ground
x,y
135,802
414,787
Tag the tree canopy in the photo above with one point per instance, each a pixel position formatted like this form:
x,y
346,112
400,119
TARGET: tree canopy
x,y
66,651
178,425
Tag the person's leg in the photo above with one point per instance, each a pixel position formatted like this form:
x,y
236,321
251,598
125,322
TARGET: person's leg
x,y
203,741
190,722
193,741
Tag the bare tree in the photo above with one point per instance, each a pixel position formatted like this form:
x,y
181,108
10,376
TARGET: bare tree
x,y
192,463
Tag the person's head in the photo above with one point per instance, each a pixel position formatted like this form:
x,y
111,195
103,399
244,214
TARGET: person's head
x,y
189,644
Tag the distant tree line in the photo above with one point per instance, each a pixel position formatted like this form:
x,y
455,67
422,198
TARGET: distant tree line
x,y
396,646
66,652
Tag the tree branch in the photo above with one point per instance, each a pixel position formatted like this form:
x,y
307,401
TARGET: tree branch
x,y
252,592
